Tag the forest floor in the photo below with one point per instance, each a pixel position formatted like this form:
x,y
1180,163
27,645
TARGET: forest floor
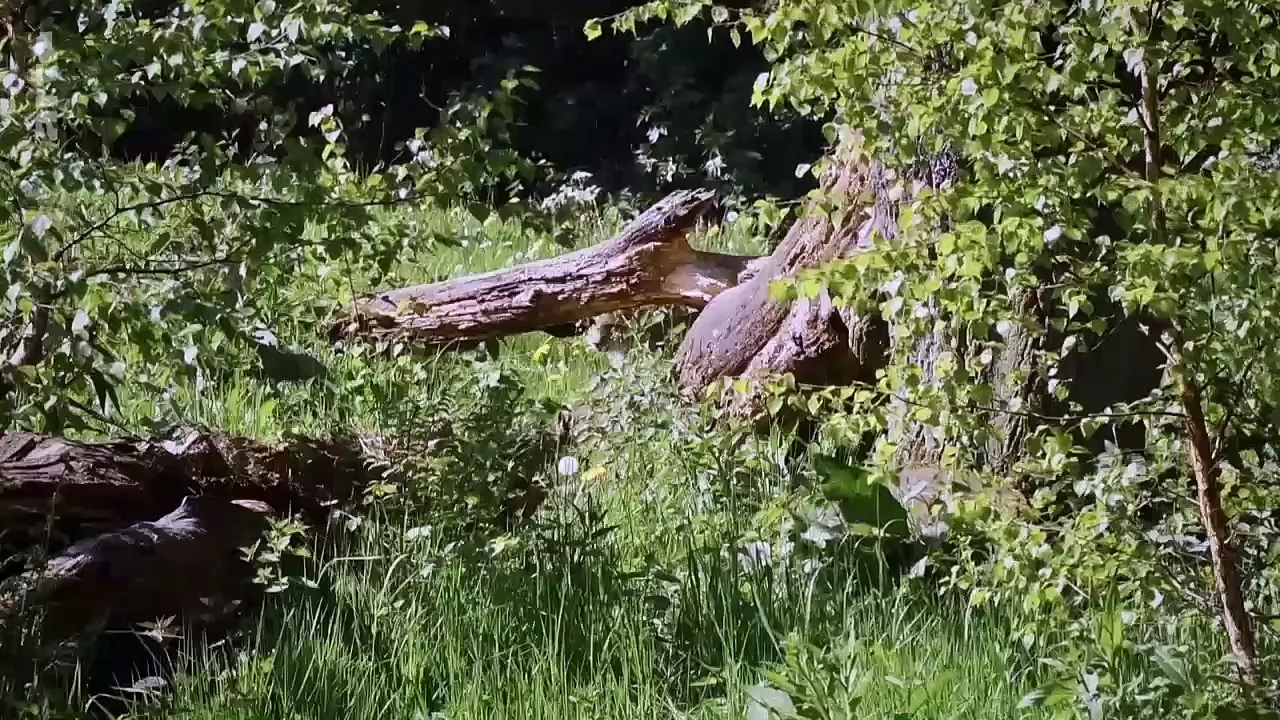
x,y
657,581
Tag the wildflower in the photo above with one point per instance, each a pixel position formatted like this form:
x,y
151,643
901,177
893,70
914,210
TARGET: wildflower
x,y
568,466
755,555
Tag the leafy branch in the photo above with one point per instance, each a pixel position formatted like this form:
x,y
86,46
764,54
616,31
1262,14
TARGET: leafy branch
x,y
991,410
156,203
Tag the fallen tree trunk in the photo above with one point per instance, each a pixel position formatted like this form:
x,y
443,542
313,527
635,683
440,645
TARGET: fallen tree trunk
x,y
649,263
55,491
121,606
102,537
183,565
120,552
745,331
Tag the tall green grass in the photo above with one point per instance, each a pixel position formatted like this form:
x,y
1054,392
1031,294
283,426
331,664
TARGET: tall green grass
x,y
626,601
559,635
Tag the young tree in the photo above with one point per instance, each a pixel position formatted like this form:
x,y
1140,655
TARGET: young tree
x,y
1116,166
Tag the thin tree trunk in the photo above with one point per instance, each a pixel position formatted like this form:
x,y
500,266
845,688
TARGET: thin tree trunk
x,y
1222,553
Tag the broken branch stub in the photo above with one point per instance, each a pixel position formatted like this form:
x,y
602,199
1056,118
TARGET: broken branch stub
x,y
649,263
747,332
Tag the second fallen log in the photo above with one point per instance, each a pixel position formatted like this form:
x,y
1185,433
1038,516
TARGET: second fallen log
x,y
179,565
650,262
55,491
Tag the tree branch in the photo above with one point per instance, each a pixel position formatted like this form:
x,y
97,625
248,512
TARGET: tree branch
x,y
1205,466
157,203
1082,417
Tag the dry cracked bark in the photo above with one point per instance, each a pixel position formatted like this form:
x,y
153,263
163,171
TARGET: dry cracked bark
x,y
746,331
650,262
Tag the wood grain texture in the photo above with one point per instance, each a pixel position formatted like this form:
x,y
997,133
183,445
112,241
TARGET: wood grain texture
x,y
649,263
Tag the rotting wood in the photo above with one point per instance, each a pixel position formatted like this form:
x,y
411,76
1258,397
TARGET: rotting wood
x,y
746,331
97,504
181,565
114,608
55,491
91,527
649,263
103,536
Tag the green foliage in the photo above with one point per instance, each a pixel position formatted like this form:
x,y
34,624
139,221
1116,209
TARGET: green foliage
x,y
1113,162
635,589
864,503
158,271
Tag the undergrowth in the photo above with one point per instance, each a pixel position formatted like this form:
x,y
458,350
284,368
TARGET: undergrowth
x,y
676,569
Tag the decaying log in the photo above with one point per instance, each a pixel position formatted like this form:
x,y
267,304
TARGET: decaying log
x,y
742,329
649,263
93,506
119,607
55,491
182,565
110,535
746,331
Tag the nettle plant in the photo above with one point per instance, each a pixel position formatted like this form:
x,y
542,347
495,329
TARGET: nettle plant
x,y
147,271
1116,164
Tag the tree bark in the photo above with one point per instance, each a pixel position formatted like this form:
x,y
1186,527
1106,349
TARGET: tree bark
x,y
55,491
649,263
1222,551
183,565
137,531
746,331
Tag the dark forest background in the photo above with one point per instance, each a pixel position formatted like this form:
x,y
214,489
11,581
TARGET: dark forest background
x,y
648,113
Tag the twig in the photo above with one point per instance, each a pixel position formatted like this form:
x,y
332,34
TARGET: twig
x,y
148,205
1231,409
97,416
225,195
127,270
1016,413
230,257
